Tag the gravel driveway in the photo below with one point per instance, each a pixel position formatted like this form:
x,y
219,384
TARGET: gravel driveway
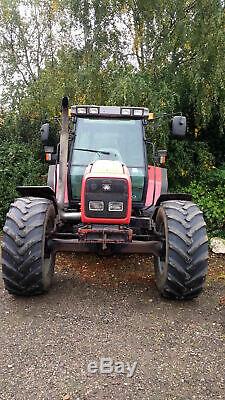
x,y
110,308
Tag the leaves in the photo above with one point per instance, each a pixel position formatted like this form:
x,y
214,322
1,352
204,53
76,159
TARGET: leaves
x,y
18,167
168,56
209,194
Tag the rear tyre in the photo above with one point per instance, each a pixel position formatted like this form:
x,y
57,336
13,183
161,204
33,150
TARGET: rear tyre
x,y
182,268
27,263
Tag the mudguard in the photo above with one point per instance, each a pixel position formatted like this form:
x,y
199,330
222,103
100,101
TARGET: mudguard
x,y
173,196
157,184
66,199
53,177
45,192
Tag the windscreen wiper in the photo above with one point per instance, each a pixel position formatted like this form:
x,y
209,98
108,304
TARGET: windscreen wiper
x,y
95,151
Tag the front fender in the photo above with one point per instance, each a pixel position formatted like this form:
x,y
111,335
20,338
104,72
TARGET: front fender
x,y
170,196
45,192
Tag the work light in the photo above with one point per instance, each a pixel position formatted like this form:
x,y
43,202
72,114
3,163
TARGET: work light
x,y
126,111
81,110
138,112
93,110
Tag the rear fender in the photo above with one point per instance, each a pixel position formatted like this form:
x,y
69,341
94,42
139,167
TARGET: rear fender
x,y
51,176
53,179
157,184
66,199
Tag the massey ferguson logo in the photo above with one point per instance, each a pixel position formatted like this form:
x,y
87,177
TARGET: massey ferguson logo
x,y
106,187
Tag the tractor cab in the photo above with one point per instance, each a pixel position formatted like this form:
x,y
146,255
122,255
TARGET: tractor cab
x,y
113,134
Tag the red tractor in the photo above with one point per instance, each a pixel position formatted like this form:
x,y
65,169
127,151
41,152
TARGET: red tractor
x,y
103,197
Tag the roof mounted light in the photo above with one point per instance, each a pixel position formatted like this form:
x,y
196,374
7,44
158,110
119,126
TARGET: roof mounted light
x,y
81,110
126,111
138,112
109,111
93,110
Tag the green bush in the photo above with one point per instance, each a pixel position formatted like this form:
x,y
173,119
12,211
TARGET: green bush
x,y
188,160
18,167
209,194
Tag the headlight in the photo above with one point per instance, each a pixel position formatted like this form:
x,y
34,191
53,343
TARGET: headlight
x,y
116,206
96,205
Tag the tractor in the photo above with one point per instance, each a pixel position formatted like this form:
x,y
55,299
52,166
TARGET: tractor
x,y
103,197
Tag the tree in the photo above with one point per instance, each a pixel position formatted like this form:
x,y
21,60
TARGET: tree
x,y
28,33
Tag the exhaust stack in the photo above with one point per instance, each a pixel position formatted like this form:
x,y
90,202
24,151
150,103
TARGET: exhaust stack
x,y
63,156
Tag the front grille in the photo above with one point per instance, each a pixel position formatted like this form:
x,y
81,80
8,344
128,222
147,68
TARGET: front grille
x,y
95,185
94,191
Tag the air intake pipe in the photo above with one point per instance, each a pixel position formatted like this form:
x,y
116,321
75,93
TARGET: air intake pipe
x,y
63,154
63,159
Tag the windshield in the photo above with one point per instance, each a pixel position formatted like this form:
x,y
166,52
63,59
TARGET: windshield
x,y
114,139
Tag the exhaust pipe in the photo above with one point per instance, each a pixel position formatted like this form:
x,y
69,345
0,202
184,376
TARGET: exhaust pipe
x,y
70,216
63,154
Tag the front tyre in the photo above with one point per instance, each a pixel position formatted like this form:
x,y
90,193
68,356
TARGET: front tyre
x,y
27,263
181,269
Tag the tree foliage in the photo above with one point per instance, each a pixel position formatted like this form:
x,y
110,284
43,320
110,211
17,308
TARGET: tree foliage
x,y
18,167
168,56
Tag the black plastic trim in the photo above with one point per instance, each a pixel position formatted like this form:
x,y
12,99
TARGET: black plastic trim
x,y
45,192
173,196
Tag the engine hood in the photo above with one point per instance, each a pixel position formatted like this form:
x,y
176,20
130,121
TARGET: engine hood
x,y
116,177
107,168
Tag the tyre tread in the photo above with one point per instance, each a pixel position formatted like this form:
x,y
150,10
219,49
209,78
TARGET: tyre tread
x,y
22,244
186,277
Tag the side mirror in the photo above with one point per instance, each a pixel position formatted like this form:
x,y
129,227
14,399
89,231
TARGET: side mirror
x,y
179,126
45,133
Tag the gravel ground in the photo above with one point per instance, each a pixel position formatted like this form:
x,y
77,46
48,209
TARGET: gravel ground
x,y
110,308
